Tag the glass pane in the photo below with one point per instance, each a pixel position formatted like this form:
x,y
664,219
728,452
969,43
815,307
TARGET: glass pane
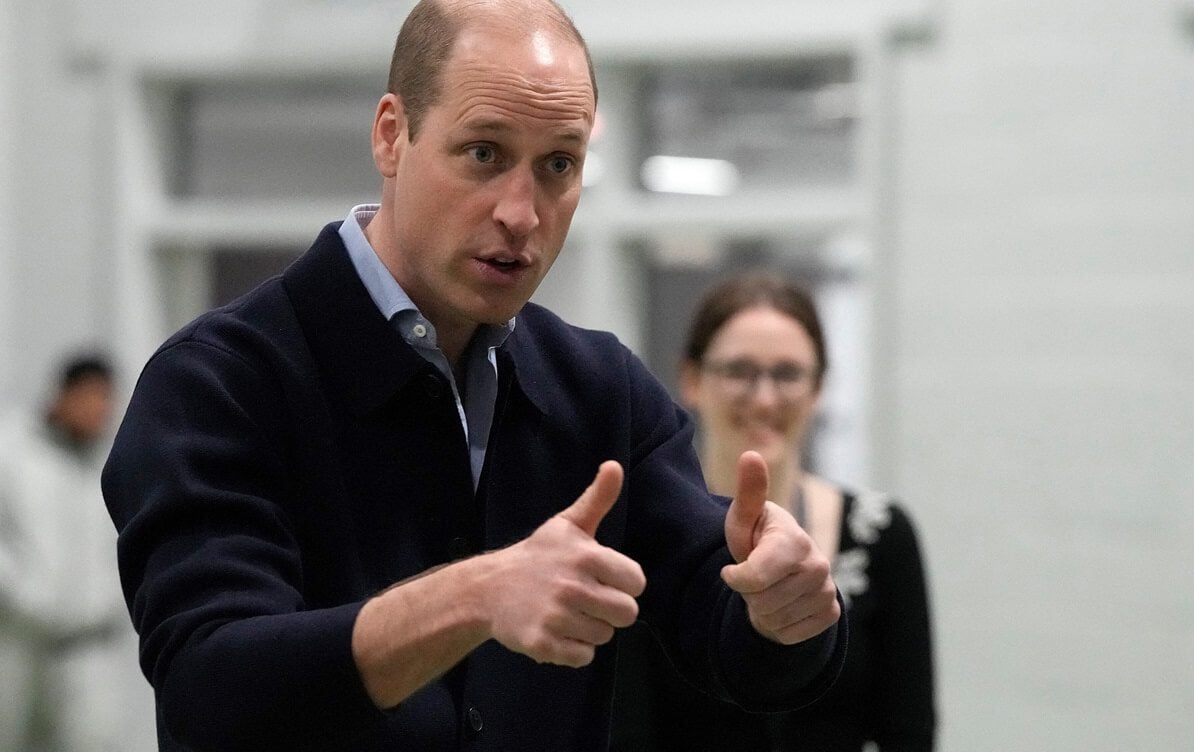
x,y
750,126
273,139
235,271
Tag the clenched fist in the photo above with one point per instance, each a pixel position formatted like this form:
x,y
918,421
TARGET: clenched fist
x,y
559,594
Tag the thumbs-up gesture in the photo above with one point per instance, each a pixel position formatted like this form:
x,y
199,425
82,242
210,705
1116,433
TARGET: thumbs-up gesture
x,y
780,573
558,594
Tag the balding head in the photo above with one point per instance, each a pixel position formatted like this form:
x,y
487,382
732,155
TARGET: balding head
x,y
429,34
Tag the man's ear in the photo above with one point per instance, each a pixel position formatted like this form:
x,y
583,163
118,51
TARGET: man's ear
x,y
389,134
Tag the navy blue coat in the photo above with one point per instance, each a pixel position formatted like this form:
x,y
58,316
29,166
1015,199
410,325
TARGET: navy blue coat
x,y
288,456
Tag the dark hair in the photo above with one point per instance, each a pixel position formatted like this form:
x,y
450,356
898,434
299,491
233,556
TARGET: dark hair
x,y
425,43
82,367
758,290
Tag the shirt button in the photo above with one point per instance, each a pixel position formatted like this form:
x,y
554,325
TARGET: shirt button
x,y
419,330
475,722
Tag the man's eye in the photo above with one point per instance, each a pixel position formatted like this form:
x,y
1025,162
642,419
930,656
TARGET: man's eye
x,y
483,153
559,165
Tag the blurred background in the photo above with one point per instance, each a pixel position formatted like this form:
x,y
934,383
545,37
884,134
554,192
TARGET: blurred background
x,y
993,199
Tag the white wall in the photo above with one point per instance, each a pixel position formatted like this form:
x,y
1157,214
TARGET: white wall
x,y
7,214
1044,380
57,292
1036,367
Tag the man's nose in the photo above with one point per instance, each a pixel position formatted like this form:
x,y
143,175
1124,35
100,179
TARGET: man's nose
x,y
515,208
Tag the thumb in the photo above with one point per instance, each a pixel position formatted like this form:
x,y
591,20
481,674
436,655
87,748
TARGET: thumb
x,y
747,507
591,506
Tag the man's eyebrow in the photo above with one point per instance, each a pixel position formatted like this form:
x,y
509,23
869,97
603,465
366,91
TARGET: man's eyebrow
x,y
487,126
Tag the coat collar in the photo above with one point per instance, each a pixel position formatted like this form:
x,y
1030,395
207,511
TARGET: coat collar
x,y
361,356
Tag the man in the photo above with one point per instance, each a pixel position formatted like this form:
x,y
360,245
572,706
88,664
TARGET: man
x,y
67,654
382,502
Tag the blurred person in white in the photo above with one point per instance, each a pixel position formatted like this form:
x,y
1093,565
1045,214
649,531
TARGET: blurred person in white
x,y
67,647
752,371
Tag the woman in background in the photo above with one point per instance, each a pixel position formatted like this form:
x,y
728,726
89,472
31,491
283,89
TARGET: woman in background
x,y
753,368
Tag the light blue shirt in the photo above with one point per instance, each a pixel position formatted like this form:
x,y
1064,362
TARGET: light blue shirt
x,y
476,404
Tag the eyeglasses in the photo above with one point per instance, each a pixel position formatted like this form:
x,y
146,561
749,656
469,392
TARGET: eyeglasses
x,y
741,377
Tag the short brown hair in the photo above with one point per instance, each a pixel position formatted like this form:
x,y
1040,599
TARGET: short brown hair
x,y
425,44
756,290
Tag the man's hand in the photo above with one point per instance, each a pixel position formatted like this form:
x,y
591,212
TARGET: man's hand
x,y
559,594
554,596
780,572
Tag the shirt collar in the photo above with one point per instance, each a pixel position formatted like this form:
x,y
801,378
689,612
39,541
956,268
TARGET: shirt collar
x,y
388,295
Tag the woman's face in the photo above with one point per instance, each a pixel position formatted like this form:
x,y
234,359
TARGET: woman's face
x,y
756,387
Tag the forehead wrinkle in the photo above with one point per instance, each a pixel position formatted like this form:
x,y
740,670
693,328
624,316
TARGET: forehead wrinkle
x,y
480,75
492,108
481,103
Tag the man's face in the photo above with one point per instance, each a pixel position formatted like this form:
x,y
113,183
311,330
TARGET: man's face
x,y
484,196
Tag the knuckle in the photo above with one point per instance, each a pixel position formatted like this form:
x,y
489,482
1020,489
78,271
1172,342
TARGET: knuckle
x,y
540,646
639,581
571,592
621,618
584,657
588,557
604,634
818,566
835,610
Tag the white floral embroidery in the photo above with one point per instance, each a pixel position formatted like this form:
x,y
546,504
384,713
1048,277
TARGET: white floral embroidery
x,y
870,514
849,573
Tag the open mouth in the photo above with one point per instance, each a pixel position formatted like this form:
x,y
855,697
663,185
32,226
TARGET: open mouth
x,y
504,264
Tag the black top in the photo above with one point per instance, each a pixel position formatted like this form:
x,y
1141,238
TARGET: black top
x,y
884,693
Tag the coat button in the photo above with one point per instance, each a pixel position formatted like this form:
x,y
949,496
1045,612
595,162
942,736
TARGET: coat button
x,y
475,722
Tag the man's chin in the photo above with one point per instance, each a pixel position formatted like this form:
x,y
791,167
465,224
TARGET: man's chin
x,y
494,313
499,318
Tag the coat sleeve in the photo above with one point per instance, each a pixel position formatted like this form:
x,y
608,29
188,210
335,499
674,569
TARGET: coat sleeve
x,y
196,485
